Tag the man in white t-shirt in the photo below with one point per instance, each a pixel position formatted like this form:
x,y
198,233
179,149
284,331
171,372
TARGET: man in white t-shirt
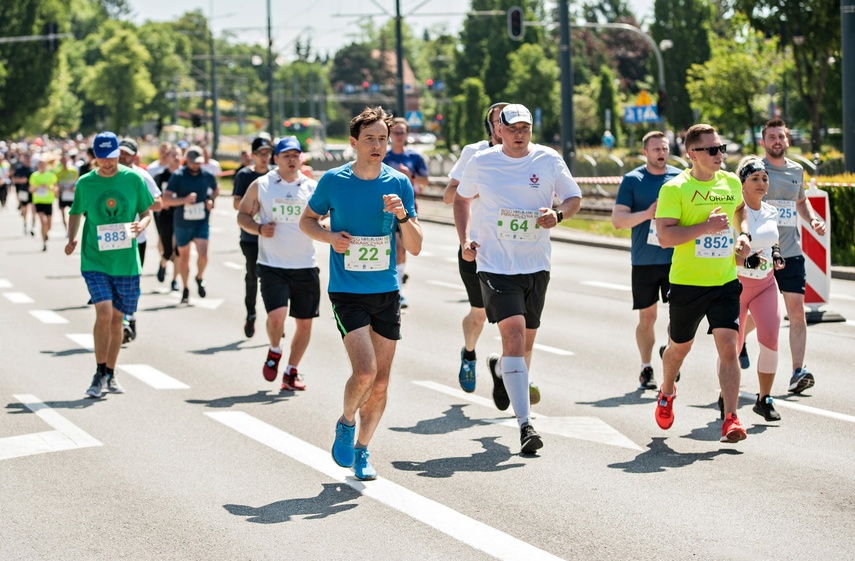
x,y
516,183
287,266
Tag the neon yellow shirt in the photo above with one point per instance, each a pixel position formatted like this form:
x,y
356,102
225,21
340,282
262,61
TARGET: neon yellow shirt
x,y
42,185
708,260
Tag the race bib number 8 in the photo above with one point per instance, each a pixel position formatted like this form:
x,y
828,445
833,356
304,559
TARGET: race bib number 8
x,y
287,210
653,235
713,246
518,225
114,236
195,211
786,212
368,253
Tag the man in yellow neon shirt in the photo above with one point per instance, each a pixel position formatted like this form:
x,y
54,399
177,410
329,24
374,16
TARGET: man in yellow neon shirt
x,y
43,188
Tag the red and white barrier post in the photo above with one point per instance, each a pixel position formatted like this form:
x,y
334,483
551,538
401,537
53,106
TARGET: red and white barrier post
x,y
817,252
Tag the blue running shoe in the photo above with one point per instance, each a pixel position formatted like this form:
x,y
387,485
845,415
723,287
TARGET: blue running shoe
x,y
363,469
342,450
467,373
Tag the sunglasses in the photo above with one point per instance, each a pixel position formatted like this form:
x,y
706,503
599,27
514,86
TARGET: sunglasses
x,y
712,150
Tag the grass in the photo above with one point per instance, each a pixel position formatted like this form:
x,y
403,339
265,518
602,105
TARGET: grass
x,y
600,226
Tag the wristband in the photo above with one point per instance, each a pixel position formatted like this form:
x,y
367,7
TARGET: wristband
x,y
559,215
752,262
745,234
405,218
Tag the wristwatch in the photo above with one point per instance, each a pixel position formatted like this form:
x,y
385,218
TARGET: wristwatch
x,y
559,215
405,218
745,234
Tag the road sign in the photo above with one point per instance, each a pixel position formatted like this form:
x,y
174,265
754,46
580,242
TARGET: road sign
x,y
643,114
643,99
414,118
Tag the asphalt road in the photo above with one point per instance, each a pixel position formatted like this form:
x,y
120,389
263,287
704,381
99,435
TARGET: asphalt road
x,y
203,459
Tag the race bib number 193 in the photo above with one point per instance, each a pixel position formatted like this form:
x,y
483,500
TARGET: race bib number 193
x,y
287,210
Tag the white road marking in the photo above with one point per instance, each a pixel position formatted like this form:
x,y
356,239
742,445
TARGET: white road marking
x,y
608,285
153,377
223,212
196,302
66,436
547,348
592,429
850,322
440,517
834,296
18,298
232,265
803,408
5,283
85,340
48,316
451,285
216,229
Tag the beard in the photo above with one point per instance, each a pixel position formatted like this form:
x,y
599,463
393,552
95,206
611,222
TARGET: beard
x,y
779,153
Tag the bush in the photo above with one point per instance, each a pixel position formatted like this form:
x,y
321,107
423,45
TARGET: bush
x,y
841,201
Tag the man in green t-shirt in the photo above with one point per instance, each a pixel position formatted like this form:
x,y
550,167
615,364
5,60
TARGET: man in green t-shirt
x,y
110,196
696,215
43,189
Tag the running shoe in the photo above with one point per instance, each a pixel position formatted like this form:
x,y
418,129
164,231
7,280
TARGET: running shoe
x,y
361,467
731,430
744,362
765,407
801,380
293,381
271,366
533,393
113,385
174,286
161,273
665,410
342,450
645,379
530,441
500,394
466,377
127,334
404,303
200,283
661,353
99,383
249,326
44,246
185,296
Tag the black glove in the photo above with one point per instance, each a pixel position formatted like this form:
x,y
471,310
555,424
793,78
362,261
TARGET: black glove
x,y
752,262
776,255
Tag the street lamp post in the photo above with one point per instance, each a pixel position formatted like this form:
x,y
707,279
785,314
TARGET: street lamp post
x,y
270,128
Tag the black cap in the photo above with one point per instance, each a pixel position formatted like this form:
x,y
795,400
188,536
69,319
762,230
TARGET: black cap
x,y
129,145
260,143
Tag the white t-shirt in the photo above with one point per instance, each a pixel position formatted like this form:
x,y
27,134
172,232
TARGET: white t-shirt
x,y
155,168
213,166
457,173
763,227
152,188
512,190
283,203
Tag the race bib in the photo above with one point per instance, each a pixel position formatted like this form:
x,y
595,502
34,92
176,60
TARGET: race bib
x,y
786,212
114,236
287,210
195,211
760,272
66,196
715,245
653,235
368,253
518,225
23,196
41,192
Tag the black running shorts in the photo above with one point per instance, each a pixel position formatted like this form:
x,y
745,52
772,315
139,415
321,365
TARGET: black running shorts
x,y
689,305
514,295
302,287
792,277
44,208
469,276
649,283
380,311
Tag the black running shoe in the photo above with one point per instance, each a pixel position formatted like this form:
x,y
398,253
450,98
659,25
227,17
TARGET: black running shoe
x,y
174,286
500,394
161,274
765,407
249,326
645,379
185,296
744,362
530,441
201,284
661,353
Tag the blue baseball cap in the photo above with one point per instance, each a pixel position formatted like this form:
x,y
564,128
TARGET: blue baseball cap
x,y
288,143
106,145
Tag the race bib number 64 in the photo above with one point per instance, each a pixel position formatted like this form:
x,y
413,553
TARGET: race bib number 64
x,y
518,225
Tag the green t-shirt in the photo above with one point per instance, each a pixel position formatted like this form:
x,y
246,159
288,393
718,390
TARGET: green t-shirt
x,y
107,201
708,260
41,185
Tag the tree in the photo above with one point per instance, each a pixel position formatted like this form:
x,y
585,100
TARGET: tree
x,y
120,83
168,66
812,30
60,116
534,82
468,112
606,102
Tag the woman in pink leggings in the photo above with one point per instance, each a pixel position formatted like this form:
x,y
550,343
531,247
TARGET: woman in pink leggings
x,y
759,289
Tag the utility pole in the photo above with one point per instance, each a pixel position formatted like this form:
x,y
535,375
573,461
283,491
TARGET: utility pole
x,y
270,128
399,55
568,134
214,95
847,38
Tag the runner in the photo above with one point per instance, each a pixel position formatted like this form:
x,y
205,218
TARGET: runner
x,y
286,256
695,215
110,197
193,190
517,183
261,151
635,207
67,177
367,201
165,219
43,186
5,172
21,179
473,322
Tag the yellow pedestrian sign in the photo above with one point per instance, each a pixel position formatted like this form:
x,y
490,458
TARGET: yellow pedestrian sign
x,y
643,99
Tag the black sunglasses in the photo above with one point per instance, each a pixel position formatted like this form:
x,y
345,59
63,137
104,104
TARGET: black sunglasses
x,y
712,150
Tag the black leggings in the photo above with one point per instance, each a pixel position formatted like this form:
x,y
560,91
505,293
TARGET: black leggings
x,y
250,252
165,229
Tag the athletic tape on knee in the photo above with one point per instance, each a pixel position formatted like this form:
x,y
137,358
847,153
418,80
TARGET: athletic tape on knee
x,y
768,360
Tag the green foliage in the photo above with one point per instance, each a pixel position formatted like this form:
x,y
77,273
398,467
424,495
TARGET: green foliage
x,y
841,201
60,116
468,111
585,118
606,101
168,64
535,82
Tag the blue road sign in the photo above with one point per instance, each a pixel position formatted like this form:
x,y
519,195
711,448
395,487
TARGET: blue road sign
x,y
640,114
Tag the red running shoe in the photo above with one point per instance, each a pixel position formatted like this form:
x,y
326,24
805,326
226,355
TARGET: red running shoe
x,y
271,366
731,430
292,382
665,410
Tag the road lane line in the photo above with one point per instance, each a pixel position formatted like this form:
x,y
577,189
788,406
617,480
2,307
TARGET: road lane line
x,y
153,377
803,408
85,340
48,316
235,266
546,348
65,436
5,283
598,284
18,298
440,517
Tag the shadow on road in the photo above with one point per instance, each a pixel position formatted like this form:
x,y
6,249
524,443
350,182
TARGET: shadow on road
x,y
18,408
660,456
236,346
452,420
261,396
329,502
68,352
482,462
637,397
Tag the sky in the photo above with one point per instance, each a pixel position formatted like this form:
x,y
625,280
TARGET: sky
x,y
329,23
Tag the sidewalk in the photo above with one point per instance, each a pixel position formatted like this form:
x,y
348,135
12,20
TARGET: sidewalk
x,y
433,210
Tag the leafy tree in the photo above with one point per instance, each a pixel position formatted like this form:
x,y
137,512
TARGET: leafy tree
x,y
60,116
468,112
120,82
585,122
168,66
606,101
535,82
353,64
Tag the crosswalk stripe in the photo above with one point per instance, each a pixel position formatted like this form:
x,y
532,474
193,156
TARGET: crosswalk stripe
x,y
48,316
153,377
65,436
17,298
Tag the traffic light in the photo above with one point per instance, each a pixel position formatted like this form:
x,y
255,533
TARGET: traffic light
x,y
365,85
429,84
516,23
51,43
661,104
